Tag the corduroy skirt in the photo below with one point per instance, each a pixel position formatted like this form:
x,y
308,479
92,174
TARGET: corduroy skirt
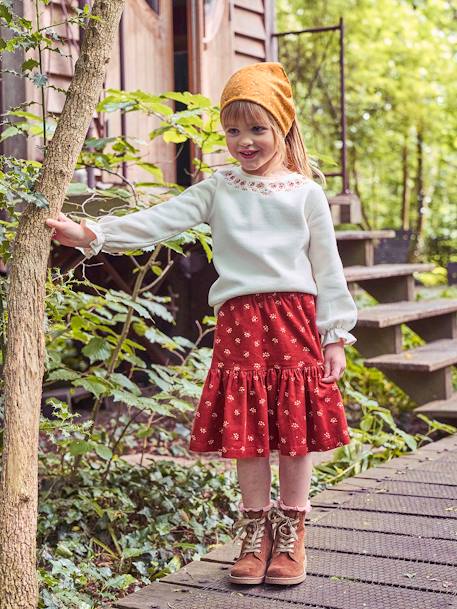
x,y
264,389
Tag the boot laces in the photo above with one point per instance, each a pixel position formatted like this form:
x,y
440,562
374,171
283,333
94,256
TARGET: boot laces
x,y
254,529
285,531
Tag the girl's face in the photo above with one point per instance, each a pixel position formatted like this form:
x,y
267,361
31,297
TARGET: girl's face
x,y
253,145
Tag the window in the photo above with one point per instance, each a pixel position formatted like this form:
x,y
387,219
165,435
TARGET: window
x,y
214,11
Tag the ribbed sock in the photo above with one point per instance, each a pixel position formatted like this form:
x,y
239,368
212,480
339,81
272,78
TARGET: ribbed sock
x,y
242,508
307,508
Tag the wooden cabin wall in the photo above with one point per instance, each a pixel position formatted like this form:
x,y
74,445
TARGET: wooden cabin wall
x,y
237,33
148,59
249,32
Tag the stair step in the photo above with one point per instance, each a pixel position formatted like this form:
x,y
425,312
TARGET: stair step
x,y
440,409
354,274
346,208
356,247
355,235
393,313
427,358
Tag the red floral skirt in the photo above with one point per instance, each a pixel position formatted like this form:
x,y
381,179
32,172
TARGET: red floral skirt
x,y
264,390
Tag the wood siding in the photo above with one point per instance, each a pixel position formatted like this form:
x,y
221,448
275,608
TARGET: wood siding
x,y
148,59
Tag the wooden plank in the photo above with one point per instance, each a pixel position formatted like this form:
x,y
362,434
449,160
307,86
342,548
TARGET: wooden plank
x,y
427,358
383,271
248,24
398,504
165,596
250,5
358,252
378,341
380,522
365,542
248,46
393,313
425,477
345,208
399,487
443,327
389,568
440,409
355,235
339,590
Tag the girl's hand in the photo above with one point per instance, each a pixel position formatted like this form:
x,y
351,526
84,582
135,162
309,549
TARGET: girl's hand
x,y
70,233
334,362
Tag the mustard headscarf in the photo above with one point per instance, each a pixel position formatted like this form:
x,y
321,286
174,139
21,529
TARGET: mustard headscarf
x,y
266,84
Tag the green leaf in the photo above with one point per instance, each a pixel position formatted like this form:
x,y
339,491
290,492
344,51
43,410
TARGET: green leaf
x,y
63,374
126,397
125,382
5,14
152,169
97,349
120,582
173,136
80,447
29,64
92,384
104,451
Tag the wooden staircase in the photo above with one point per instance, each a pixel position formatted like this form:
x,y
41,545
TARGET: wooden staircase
x,y
424,373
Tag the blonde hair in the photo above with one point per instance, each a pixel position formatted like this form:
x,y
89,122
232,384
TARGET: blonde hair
x,y
291,149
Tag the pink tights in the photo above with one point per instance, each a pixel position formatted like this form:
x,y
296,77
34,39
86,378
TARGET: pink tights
x,y
254,476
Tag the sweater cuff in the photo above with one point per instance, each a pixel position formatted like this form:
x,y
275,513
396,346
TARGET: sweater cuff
x,y
96,245
335,335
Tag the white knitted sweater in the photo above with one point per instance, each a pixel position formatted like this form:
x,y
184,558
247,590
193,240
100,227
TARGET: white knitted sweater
x,y
270,234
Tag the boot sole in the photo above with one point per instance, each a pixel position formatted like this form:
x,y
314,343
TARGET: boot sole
x,y
285,581
246,580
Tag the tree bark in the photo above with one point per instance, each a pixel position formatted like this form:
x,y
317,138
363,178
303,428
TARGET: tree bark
x,y
405,196
420,197
24,365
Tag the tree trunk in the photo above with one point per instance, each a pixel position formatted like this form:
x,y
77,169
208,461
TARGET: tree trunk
x,y
405,199
420,196
24,365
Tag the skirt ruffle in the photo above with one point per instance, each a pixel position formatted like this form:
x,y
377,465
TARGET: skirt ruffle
x,y
248,413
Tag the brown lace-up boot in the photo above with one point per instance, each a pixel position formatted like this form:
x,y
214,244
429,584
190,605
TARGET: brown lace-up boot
x,y
288,556
250,566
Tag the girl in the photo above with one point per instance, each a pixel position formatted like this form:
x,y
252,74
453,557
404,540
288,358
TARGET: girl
x,y
283,314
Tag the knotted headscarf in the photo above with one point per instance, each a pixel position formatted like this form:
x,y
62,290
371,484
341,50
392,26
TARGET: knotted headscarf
x,y
266,84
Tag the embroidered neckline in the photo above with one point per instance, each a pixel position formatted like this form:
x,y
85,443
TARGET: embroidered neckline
x,y
263,184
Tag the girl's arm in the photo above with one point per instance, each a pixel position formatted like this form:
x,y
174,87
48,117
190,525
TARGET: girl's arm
x,y
336,312
138,230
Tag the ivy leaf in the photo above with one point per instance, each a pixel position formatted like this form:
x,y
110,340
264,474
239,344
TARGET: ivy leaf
x,y
120,582
80,447
104,451
5,14
29,64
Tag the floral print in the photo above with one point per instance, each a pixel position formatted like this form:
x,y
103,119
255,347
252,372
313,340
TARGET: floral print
x,y
264,388
264,187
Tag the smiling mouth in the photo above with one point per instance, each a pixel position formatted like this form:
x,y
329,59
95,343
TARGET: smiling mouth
x,y
248,154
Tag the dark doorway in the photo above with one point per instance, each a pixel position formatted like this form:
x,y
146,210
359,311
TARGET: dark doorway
x,y
181,73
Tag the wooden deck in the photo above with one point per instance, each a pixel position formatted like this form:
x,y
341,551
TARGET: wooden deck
x,y
386,538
